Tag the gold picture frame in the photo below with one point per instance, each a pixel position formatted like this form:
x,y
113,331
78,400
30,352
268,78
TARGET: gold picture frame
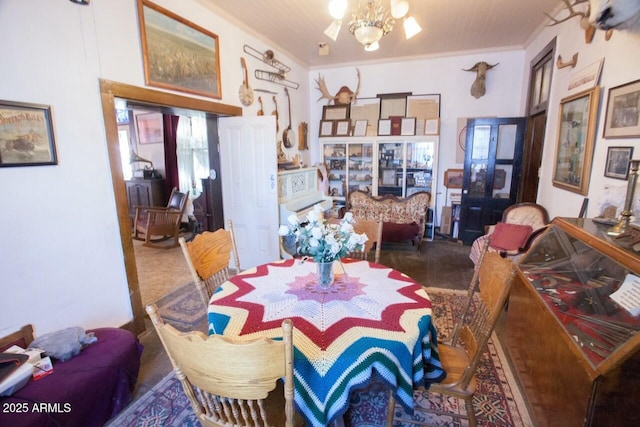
x,y
178,54
576,139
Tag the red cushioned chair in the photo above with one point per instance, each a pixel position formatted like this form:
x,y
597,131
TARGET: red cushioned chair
x,y
521,224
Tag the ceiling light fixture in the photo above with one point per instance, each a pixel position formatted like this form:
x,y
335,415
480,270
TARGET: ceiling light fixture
x,y
370,21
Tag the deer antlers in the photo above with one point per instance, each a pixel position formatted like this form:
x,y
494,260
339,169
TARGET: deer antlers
x,y
344,95
588,27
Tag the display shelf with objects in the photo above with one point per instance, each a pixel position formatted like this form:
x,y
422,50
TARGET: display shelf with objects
x,y
574,345
379,165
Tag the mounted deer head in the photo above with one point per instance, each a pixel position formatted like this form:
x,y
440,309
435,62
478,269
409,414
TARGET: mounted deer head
x,y
618,14
344,95
478,88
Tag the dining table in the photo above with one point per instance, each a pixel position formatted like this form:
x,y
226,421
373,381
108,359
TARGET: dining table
x,y
372,318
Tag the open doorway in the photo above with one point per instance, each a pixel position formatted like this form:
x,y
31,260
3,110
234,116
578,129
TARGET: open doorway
x,y
109,92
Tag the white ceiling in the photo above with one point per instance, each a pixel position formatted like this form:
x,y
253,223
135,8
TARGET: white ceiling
x,y
297,27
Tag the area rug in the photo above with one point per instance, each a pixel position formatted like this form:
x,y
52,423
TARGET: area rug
x,y
184,309
498,401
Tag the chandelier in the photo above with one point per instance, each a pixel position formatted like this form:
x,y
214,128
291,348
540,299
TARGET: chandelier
x,y
370,21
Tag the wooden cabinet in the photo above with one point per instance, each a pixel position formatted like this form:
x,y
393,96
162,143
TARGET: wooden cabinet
x,y
574,350
145,192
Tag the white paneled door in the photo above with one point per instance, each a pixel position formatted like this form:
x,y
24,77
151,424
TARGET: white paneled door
x,y
248,157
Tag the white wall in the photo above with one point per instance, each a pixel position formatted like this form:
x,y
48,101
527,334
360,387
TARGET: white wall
x,y
621,65
444,75
61,261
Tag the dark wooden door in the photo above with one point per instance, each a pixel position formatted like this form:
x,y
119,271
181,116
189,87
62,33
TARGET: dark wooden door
x,y
214,207
492,171
534,143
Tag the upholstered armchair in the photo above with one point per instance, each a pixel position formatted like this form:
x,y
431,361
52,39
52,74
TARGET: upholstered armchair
x,y
521,224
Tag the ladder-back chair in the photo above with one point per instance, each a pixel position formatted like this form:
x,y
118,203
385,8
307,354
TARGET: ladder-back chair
x,y
461,360
230,382
373,230
208,256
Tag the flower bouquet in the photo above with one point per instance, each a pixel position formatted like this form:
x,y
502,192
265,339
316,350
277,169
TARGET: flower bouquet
x,y
323,241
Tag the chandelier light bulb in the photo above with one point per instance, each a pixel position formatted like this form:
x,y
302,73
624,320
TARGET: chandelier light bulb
x,y
337,8
411,27
371,47
333,29
399,8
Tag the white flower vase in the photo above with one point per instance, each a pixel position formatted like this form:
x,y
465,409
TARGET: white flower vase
x,y
324,274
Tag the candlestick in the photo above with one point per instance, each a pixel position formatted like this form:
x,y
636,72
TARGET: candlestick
x,y
627,212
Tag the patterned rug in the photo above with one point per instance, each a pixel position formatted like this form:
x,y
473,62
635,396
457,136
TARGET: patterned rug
x,y
183,309
498,401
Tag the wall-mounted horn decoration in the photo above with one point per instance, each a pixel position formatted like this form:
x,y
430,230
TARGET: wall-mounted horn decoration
x,y
572,63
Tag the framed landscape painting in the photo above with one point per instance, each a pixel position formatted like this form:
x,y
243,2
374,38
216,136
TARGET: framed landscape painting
x,y
178,54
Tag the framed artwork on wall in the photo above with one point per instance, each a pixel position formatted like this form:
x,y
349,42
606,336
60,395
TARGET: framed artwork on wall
x,y
453,178
342,127
623,111
617,165
393,104
360,128
366,109
576,138
335,112
408,126
178,54
326,127
26,132
150,128
384,127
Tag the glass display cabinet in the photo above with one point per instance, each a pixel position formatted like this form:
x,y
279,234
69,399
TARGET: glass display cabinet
x,y
350,167
571,330
397,165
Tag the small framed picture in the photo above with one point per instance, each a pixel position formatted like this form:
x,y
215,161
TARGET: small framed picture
x,y
408,126
384,127
617,165
432,127
326,127
342,128
26,132
389,177
623,111
335,112
360,129
453,178
150,128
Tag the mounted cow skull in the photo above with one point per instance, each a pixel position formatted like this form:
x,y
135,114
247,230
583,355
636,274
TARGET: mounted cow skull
x,y
615,14
478,88
343,97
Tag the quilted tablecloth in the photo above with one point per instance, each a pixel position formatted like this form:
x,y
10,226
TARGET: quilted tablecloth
x,y
373,317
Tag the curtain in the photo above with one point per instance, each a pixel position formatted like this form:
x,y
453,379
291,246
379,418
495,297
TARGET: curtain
x,y
193,154
170,152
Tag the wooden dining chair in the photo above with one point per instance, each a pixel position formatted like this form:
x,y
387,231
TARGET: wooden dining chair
x,y
373,229
156,224
208,256
461,360
230,382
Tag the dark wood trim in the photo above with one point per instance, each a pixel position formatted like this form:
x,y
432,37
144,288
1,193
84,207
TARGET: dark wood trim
x,y
110,90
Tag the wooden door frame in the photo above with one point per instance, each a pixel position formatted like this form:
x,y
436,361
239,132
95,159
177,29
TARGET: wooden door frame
x,y
110,90
531,112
